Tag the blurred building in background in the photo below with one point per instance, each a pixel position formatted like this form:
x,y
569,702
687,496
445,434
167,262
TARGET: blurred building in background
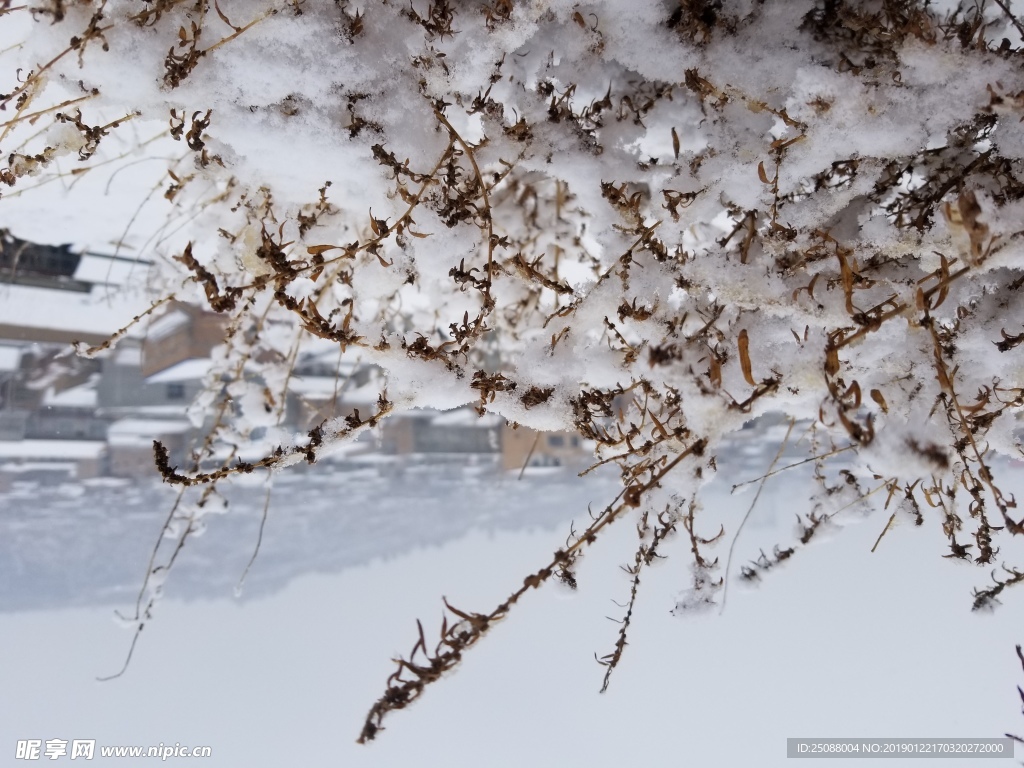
x,y
65,417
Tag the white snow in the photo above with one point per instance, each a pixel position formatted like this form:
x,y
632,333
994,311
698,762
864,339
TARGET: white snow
x,y
98,313
9,357
319,386
30,450
23,467
192,369
82,396
466,417
143,431
100,268
166,324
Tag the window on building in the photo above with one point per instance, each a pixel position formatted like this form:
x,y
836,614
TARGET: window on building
x,y
175,391
556,441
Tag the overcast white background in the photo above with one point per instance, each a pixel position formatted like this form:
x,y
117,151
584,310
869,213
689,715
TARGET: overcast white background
x,y
840,642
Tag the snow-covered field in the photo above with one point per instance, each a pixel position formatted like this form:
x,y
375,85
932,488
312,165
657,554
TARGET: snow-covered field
x,y
838,642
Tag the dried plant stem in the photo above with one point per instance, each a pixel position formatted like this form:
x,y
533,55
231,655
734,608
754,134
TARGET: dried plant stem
x,y
277,457
20,111
885,530
205,450
645,555
348,254
240,30
887,483
1020,29
1020,692
142,615
153,554
900,308
456,639
34,75
33,115
79,172
793,465
124,234
946,380
621,456
526,461
259,541
488,218
118,334
750,509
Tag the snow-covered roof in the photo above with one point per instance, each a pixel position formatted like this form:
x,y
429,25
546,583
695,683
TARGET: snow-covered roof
x,y
97,268
137,411
167,324
193,369
324,363
316,386
327,354
422,414
9,358
29,450
34,466
82,396
128,354
31,312
143,431
148,427
465,417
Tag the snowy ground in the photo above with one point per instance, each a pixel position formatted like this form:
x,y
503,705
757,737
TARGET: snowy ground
x,y
840,642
